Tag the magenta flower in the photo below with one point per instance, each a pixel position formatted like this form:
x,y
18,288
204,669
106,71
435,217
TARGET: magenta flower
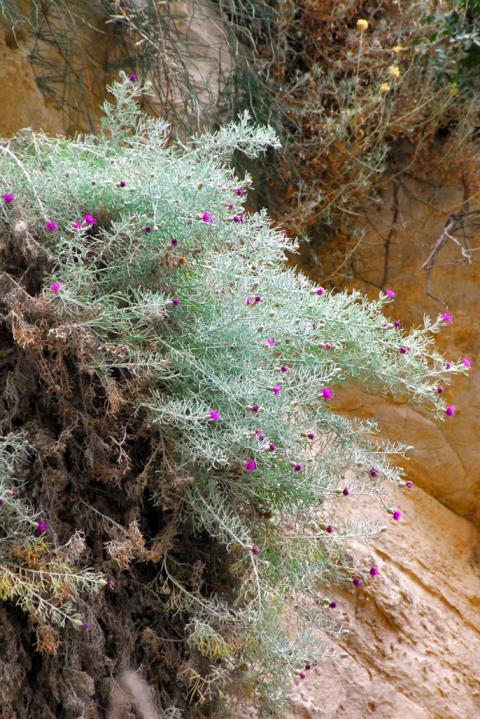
x,y
78,225
42,526
133,77
214,415
374,571
260,433
329,528
390,294
319,291
346,492
283,368
298,467
397,515
85,626
254,408
374,472
207,217
174,242
357,581
448,365
276,390
250,465
447,318
51,226
255,550
409,484
8,198
467,363
327,393
55,287
90,220
397,324
450,411
439,390
249,300
333,605
238,218
327,346
239,191
302,674
271,342
258,298
13,493
403,350
122,183
176,302
272,447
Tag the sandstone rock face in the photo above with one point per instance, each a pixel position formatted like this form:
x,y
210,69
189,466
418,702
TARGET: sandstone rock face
x,y
415,632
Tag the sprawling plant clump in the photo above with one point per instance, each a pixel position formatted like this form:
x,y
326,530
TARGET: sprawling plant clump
x,y
175,383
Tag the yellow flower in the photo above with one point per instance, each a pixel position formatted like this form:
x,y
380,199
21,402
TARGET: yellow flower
x,y
454,91
394,71
397,48
362,25
384,87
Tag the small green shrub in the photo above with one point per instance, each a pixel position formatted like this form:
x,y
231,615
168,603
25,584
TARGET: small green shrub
x,y
155,281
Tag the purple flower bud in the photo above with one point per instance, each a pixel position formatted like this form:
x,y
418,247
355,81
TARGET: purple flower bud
x,y
308,667
272,447
319,291
122,183
276,390
258,298
357,581
42,526
176,302
78,225
85,626
254,408
329,529
397,324
327,393
302,674
8,198
133,77
255,550
51,226
147,229
439,390
311,435
374,472
249,300
327,346
271,342
448,365
207,217
450,411
333,605
250,465
374,571
174,242
110,583
283,368
239,191
298,467
345,492
238,218
409,484
397,515
404,350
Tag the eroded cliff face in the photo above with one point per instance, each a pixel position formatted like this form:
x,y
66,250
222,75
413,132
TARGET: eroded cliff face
x,y
414,637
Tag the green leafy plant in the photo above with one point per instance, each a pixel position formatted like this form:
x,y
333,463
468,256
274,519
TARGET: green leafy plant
x,y
180,307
